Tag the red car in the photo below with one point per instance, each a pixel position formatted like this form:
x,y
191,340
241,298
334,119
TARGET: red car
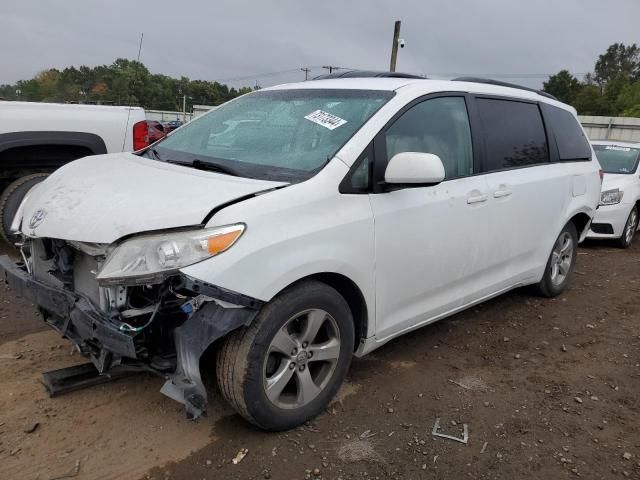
x,y
156,130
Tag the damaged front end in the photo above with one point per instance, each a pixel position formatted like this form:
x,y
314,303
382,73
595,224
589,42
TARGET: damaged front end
x,y
162,324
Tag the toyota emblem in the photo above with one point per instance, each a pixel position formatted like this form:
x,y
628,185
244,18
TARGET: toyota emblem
x,y
37,218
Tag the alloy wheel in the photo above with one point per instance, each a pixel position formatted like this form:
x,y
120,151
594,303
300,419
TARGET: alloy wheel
x,y
301,359
561,258
632,225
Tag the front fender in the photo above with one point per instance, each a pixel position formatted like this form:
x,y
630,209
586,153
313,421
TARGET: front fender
x,y
292,233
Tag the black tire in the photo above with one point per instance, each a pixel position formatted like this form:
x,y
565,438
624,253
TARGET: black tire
x,y
551,286
10,201
630,228
242,360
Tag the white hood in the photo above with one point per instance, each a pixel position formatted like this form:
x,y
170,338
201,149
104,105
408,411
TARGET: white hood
x,y
102,198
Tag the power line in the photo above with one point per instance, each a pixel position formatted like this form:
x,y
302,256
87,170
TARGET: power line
x,y
258,75
467,74
332,68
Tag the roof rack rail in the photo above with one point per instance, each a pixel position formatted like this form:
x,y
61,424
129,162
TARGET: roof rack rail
x,y
365,74
490,81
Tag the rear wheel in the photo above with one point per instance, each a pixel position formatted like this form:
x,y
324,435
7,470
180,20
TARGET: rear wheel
x,y
10,202
629,229
560,263
286,367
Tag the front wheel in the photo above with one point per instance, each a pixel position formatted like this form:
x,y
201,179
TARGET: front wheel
x,y
286,367
560,263
629,229
10,201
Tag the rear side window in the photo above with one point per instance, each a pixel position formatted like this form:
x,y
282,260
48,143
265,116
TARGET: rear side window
x,y
570,139
514,134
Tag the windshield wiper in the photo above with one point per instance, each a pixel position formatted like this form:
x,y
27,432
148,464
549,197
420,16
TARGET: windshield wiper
x,y
208,166
155,153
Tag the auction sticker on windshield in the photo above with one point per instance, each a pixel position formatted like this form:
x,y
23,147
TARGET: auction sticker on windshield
x,y
325,119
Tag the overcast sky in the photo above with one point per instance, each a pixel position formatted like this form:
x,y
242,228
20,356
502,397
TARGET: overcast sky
x,y
241,42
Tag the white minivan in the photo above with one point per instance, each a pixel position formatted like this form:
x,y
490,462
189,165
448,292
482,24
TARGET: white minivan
x,y
299,225
619,211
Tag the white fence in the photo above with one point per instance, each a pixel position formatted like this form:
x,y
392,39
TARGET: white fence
x,y
611,128
167,116
201,110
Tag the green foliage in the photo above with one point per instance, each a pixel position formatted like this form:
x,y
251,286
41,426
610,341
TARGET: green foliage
x,y
124,82
589,101
629,100
618,60
564,86
613,88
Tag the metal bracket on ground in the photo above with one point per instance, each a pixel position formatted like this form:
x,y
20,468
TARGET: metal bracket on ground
x,y
70,379
465,433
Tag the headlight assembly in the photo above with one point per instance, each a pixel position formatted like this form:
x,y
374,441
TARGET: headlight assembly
x,y
151,258
611,197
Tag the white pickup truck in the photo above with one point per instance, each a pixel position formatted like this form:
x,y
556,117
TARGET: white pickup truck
x,y
37,138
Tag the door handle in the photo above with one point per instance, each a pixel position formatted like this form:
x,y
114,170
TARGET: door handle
x,y
476,199
501,193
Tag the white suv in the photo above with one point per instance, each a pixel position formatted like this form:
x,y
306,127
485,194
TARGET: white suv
x,y
618,213
302,224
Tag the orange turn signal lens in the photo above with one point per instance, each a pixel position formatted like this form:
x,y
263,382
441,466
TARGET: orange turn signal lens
x,y
219,243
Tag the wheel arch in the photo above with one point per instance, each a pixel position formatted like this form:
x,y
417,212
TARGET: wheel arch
x,y
581,220
353,296
198,361
23,153
344,286
91,141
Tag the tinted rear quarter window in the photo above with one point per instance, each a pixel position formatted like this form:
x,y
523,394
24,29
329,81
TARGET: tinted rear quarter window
x,y
570,138
514,134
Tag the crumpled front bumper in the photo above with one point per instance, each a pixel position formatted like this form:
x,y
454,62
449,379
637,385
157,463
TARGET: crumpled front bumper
x,y
96,335
614,216
72,315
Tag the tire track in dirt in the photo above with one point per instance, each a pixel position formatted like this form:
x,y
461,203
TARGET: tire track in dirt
x,y
117,430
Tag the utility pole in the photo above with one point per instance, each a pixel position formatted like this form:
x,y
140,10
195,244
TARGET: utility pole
x,y
306,73
331,68
394,46
184,108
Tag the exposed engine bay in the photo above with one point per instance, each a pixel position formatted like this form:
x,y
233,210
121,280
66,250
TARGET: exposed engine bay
x,y
162,327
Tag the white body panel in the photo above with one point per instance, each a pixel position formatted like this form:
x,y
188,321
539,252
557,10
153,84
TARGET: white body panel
x,y
617,215
416,254
113,124
295,232
421,236
614,215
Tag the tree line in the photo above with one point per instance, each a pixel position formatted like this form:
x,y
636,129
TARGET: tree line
x,y
612,89
124,82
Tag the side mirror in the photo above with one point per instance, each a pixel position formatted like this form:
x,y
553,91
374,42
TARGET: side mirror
x,y
414,168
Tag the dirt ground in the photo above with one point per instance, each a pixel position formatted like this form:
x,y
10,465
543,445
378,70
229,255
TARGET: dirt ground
x,y
548,389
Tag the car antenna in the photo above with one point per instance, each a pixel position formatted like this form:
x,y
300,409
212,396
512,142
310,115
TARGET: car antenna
x,y
124,137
